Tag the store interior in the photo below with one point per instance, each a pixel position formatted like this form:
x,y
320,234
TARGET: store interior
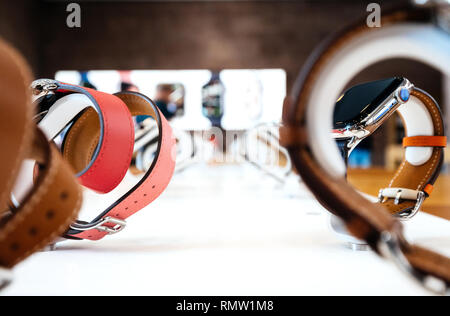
x,y
228,223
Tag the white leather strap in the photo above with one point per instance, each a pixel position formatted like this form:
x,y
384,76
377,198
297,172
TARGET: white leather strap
x,y
418,122
59,115
62,112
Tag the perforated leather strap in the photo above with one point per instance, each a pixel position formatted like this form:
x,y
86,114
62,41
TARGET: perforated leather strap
x,y
155,179
365,220
110,153
55,199
48,210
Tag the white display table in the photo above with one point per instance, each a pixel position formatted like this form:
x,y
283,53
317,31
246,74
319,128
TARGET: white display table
x,y
225,230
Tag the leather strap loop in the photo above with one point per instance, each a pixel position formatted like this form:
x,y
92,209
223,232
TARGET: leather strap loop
x,y
425,141
153,182
412,177
110,154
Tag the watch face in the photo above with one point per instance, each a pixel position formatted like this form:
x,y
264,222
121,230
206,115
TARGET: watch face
x,y
358,102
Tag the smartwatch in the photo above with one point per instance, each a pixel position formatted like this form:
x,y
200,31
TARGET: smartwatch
x,y
363,108
408,33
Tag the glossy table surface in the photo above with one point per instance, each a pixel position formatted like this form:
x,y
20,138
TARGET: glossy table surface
x,y
223,230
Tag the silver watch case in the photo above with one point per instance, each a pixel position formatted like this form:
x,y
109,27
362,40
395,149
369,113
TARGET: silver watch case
x,y
357,132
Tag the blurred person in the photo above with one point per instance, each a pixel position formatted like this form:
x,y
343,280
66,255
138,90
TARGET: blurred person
x,y
213,99
84,81
126,83
164,102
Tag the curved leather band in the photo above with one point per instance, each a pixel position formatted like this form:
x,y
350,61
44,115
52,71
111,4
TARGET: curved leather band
x,y
110,155
365,220
47,211
153,183
55,199
410,180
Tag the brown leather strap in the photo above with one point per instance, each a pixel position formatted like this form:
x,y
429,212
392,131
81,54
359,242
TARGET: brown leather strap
x,y
292,136
414,177
48,210
365,220
15,118
55,199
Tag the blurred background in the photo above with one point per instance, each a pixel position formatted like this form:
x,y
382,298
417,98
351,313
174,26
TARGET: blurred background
x,y
174,50
220,225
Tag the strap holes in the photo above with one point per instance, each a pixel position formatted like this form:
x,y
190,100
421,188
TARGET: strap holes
x,y
64,195
33,231
153,186
126,208
135,202
50,214
145,194
14,246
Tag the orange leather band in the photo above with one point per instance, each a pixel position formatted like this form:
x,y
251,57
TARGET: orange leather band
x,y
429,189
425,141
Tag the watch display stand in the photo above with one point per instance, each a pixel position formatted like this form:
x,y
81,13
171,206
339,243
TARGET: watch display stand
x,y
336,224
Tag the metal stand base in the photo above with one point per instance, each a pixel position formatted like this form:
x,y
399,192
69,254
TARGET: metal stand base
x,y
338,227
358,247
6,277
53,246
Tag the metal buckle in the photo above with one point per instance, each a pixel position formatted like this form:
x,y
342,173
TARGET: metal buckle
x,y
42,87
389,247
119,225
6,277
407,215
410,214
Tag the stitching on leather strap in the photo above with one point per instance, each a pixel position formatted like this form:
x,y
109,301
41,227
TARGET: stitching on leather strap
x,y
438,125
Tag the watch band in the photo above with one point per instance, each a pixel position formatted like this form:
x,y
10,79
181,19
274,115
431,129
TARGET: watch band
x,y
365,220
414,180
110,154
153,183
48,210
55,200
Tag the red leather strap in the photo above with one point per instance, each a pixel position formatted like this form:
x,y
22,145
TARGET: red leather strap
x,y
111,161
425,141
156,178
